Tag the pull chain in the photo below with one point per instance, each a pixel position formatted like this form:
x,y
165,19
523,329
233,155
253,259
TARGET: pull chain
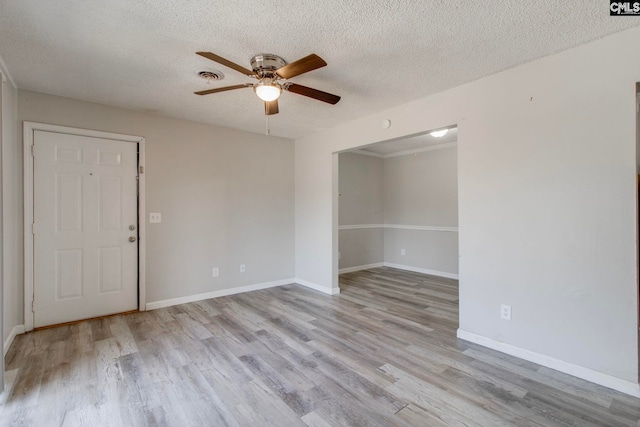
x,y
267,131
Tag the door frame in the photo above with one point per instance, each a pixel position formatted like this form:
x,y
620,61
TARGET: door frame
x,y
28,139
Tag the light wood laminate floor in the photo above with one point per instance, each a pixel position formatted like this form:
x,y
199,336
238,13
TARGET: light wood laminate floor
x,y
382,353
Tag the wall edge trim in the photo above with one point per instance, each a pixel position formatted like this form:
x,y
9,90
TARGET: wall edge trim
x,y
316,287
605,380
365,153
422,270
360,267
398,227
17,330
216,294
359,226
405,152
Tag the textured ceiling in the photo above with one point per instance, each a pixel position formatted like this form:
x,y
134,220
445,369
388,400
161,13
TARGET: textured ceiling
x,y
140,54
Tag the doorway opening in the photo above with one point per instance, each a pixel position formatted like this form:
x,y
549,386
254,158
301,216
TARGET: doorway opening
x,y
396,205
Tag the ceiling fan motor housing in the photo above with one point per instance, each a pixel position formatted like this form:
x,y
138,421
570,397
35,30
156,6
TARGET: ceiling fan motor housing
x,y
265,64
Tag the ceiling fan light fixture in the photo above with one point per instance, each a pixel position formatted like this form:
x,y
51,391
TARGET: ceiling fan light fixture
x,y
439,133
272,74
267,91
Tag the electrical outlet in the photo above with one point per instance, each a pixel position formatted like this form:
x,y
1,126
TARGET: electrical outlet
x,y
403,252
243,268
155,218
216,272
505,312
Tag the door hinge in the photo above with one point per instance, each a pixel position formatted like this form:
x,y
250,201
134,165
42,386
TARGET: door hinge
x,y
33,306
33,228
33,151
141,169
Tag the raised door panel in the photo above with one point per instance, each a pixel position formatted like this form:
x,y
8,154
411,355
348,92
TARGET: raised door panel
x,y
85,199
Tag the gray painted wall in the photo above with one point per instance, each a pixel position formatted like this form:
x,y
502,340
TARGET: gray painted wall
x,y
360,188
226,196
360,247
435,252
422,189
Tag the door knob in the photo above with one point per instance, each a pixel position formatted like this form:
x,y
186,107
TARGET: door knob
x,y
132,239
132,227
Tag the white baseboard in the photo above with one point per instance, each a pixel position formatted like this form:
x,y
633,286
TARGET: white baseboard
x,y
216,294
316,287
360,267
17,330
422,270
596,377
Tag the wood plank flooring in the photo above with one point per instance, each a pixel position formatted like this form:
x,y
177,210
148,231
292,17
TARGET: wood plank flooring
x,y
382,353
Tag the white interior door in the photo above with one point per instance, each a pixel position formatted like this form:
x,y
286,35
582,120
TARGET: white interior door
x,y
85,218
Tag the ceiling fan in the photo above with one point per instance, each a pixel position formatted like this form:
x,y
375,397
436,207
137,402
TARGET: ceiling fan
x,y
271,73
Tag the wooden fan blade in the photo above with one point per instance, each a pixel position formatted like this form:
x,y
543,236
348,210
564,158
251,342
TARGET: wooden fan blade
x,y
271,107
301,66
222,89
226,63
312,93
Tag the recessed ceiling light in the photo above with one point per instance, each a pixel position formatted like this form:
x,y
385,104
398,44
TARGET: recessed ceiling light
x,y
439,133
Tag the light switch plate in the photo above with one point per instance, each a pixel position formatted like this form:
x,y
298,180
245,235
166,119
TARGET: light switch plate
x,y
155,218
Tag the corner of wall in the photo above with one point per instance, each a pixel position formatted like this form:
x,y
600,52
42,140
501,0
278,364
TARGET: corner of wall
x,y
15,331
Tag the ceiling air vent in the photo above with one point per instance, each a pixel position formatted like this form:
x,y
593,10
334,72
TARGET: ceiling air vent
x,y
210,74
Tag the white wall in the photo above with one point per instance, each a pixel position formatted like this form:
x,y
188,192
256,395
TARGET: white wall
x,y
421,190
2,210
547,213
226,196
11,214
